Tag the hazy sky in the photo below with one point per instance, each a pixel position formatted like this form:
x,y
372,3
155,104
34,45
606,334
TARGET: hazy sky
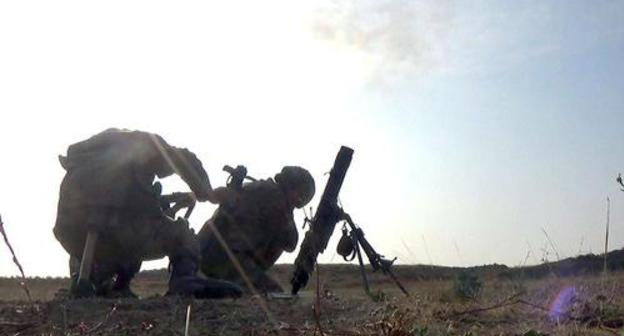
x,y
476,125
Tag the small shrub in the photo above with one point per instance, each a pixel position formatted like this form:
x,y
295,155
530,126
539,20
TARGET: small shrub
x,y
467,286
398,323
378,296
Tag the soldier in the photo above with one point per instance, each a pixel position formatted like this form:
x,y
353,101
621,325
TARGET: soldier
x,y
257,229
108,189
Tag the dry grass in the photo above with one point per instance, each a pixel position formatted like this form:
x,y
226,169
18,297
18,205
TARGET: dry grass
x,y
505,307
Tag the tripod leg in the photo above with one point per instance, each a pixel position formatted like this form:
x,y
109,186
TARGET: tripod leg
x,y
362,271
396,281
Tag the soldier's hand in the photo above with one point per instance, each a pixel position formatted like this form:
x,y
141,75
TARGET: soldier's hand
x,y
204,196
182,198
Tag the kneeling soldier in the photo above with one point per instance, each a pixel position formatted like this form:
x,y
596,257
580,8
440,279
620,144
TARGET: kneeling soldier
x,y
107,193
257,229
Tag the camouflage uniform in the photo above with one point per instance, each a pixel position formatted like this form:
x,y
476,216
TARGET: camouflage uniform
x,y
257,229
108,188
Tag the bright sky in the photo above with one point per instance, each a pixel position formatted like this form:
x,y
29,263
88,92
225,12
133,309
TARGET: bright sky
x,y
476,125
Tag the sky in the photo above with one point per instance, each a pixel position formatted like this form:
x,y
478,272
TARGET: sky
x,y
479,127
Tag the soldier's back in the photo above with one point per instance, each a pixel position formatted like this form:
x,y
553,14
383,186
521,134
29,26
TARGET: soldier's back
x,y
106,169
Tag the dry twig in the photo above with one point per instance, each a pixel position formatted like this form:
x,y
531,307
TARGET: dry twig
x,y
15,261
512,300
317,305
103,322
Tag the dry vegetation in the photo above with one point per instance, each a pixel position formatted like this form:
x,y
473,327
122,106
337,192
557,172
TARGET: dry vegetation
x,y
590,305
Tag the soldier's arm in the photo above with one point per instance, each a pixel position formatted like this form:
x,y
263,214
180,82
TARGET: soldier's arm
x,y
278,220
193,173
185,164
191,170
291,237
285,230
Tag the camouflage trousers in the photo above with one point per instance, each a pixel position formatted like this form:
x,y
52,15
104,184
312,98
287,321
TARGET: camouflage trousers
x,y
125,239
241,266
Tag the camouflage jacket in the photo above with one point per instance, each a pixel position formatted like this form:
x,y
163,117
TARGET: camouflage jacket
x,y
261,221
115,168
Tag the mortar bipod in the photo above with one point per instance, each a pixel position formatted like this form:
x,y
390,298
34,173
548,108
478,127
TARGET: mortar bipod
x,y
351,245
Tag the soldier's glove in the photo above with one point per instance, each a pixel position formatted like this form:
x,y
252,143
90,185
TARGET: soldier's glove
x,y
180,199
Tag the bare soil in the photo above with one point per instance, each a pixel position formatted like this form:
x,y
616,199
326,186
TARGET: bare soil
x,y
550,305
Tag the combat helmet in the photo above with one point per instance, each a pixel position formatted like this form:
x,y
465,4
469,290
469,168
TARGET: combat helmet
x,y
294,178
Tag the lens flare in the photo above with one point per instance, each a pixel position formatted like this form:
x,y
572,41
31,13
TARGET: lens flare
x,y
562,302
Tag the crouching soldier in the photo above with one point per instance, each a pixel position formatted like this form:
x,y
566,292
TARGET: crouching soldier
x,y
256,229
107,192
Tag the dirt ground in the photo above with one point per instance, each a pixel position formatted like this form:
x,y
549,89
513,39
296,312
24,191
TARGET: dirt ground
x,y
583,305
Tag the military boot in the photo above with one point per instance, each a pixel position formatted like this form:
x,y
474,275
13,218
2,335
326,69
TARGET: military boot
x,y
125,274
185,282
81,289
